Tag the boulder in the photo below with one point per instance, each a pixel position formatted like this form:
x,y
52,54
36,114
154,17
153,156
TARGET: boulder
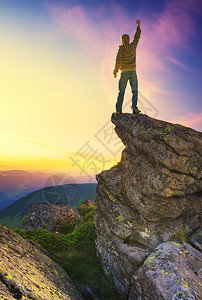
x,y
153,195
48,216
27,273
172,271
196,239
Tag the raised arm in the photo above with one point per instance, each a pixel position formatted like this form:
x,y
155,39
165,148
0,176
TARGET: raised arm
x,y
137,34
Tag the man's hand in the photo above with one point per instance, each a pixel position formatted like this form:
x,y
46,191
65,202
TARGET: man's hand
x,y
115,75
138,22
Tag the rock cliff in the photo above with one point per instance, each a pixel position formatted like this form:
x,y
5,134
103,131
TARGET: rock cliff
x,y
27,273
150,198
48,216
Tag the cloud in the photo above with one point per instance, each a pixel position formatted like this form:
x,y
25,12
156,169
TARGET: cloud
x,y
91,29
190,120
46,145
181,65
98,30
171,28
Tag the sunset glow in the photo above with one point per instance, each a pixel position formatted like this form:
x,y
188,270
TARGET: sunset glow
x,y
57,90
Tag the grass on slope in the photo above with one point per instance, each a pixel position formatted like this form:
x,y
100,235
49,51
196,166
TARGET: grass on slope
x,y
15,221
75,252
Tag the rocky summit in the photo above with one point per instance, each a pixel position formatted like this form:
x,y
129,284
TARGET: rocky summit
x,y
27,273
149,208
48,216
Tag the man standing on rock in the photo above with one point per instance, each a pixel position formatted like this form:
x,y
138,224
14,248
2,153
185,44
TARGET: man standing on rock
x,y
126,62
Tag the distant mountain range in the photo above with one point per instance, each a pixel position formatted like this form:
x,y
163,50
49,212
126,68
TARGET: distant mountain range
x,y
15,184
70,194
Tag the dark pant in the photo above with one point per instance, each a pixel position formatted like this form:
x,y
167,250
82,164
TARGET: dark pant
x,y
132,77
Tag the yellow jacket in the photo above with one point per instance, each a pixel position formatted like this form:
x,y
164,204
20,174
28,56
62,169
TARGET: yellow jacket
x,y
126,55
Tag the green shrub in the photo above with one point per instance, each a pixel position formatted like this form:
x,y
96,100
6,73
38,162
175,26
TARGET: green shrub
x,y
75,252
85,208
51,241
66,228
181,235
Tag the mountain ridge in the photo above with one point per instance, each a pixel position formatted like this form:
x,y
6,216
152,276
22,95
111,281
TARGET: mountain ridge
x,y
15,184
70,194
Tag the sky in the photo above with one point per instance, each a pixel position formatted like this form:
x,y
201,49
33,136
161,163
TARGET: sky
x,y
57,90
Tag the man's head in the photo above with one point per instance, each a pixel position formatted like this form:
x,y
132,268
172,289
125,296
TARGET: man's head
x,y
125,38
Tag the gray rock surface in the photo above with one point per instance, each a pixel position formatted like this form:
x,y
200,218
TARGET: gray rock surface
x,y
153,195
48,216
172,271
27,273
196,239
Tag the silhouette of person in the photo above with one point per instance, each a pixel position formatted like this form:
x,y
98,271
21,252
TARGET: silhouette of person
x,y
126,62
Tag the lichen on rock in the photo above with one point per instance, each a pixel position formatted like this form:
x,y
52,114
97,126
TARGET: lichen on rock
x,y
172,271
48,216
27,273
150,197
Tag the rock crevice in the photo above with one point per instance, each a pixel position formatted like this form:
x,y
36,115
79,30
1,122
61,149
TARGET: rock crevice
x,y
151,197
10,288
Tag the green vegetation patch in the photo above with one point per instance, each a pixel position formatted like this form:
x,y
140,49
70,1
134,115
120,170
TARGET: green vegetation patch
x,y
181,235
75,253
17,210
66,228
15,220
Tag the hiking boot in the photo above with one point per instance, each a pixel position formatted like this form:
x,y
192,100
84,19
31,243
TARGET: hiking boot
x,y
118,112
136,111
